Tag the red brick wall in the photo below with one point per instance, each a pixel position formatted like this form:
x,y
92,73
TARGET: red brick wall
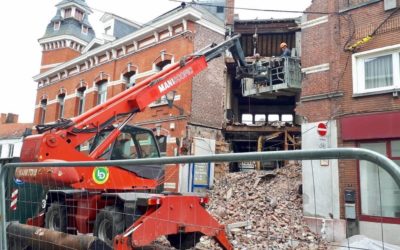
x,y
209,86
325,43
230,12
58,56
179,47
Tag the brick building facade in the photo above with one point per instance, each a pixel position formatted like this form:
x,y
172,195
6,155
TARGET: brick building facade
x,y
354,90
79,71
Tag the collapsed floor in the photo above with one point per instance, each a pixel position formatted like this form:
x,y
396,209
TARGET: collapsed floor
x,y
263,210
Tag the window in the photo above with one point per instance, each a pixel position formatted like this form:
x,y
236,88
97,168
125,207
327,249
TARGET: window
x,y
134,144
43,106
67,13
161,65
287,118
158,67
377,185
101,92
159,102
376,71
220,9
57,25
247,119
162,144
81,100
61,102
79,15
260,119
10,150
130,79
85,29
273,117
107,30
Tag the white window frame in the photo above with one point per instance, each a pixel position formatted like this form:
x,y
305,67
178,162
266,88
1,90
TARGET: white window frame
x,y
85,29
102,92
11,150
358,60
81,94
61,103
57,25
159,102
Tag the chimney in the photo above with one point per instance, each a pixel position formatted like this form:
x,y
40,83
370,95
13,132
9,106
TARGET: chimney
x,y
9,118
12,118
230,10
3,118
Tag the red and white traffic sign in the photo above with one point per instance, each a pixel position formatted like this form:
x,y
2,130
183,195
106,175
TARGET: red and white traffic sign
x,y
322,130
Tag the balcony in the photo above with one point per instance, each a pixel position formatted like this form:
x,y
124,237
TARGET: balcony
x,y
275,77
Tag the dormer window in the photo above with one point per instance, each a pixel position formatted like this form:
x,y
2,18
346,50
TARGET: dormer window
x,y
67,13
79,15
107,30
85,29
57,25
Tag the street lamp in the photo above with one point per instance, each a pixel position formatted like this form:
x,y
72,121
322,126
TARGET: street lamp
x,y
170,96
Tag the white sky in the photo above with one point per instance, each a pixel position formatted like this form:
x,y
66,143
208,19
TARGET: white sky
x,y
24,22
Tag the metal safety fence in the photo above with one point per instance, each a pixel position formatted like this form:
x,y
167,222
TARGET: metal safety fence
x,y
261,209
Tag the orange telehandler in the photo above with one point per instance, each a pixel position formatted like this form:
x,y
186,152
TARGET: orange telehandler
x,y
124,206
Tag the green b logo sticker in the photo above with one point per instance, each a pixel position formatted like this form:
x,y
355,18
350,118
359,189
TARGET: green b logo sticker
x,y
100,175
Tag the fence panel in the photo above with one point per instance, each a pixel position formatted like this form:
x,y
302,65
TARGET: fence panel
x,y
261,209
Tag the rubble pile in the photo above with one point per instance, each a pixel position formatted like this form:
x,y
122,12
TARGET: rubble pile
x,y
263,210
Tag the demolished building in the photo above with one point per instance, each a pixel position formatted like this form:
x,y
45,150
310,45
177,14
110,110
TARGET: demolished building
x,y
260,115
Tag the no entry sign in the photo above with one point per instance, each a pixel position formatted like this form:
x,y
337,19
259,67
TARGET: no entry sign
x,y
322,130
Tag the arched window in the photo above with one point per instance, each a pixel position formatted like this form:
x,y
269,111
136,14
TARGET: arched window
x,y
43,106
130,79
162,144
101,91
81,99
162,64
61,102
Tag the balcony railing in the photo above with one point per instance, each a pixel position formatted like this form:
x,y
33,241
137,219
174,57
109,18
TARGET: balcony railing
x,y
283,77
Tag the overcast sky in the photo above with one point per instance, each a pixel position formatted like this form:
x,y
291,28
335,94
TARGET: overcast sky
x,y
24,22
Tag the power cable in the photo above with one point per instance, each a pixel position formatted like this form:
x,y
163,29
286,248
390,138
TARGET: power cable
x,y
141,24
256,9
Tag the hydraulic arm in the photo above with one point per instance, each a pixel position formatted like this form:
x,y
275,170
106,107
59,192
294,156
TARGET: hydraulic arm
x,y
181,217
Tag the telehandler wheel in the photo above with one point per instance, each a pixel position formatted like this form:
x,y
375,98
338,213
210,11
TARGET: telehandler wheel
x,y
56,217
184,240
109,223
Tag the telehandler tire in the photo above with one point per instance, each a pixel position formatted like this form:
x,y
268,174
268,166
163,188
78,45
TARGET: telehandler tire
x,y
56,217
109,223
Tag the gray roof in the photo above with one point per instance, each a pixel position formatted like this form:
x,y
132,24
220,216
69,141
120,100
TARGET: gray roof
x,y
69,26
210,16
79,2
57,17
85,21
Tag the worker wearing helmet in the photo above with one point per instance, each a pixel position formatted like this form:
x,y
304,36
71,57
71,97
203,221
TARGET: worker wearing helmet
x,y
285,50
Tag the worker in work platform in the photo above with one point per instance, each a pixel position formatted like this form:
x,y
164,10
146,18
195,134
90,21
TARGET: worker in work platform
x,y
285,50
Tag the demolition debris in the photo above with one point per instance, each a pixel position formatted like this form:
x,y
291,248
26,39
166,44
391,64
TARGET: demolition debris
x,y
262,210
